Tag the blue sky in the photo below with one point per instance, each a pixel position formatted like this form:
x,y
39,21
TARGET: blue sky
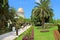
x,y
28,5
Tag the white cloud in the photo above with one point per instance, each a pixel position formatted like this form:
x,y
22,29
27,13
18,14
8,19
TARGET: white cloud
x,y
36,0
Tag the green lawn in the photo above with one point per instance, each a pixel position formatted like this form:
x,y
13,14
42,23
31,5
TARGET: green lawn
x,y
44,35
40,35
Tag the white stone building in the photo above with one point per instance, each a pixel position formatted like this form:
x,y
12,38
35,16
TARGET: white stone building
x,y
20,12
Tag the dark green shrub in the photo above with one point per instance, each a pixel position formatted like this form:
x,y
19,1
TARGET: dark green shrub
x,y
58,27
4,30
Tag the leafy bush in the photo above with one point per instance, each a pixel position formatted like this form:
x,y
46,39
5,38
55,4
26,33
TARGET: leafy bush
x,y
56,21
22,21
48,25
4,30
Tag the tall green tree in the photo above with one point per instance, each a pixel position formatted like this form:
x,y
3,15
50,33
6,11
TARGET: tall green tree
x,y
43,11
3,12
12,13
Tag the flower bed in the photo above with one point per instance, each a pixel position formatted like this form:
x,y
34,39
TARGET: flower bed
x,y
56,35
29,35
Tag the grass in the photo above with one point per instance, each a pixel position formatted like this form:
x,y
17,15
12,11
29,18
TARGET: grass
x,y
40,35
44,35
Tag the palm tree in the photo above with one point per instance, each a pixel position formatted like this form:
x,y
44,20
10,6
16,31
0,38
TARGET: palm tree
x,y
44,10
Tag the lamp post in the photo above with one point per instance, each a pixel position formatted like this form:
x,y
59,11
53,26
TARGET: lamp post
x,y
16,18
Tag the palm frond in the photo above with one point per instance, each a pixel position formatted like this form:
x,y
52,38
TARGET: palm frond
x,y
37,3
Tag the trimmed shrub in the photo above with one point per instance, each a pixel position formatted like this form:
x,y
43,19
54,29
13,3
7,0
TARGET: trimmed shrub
x,y
29,35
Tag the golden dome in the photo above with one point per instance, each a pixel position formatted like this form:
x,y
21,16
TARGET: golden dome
x,y
20,10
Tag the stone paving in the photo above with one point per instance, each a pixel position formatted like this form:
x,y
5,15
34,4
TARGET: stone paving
x,y
12,35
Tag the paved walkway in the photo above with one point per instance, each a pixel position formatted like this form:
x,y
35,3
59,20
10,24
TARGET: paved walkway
x,y
12,35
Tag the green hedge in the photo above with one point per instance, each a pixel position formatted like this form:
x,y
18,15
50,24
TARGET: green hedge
x,y
27,33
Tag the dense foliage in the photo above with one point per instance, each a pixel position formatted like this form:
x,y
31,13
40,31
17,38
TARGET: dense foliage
x,y
4,11
7,14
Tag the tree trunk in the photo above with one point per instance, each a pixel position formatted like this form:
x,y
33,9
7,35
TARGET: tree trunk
x,y
16,29
43,20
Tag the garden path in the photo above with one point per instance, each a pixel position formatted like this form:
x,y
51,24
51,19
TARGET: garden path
x,y
12,35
